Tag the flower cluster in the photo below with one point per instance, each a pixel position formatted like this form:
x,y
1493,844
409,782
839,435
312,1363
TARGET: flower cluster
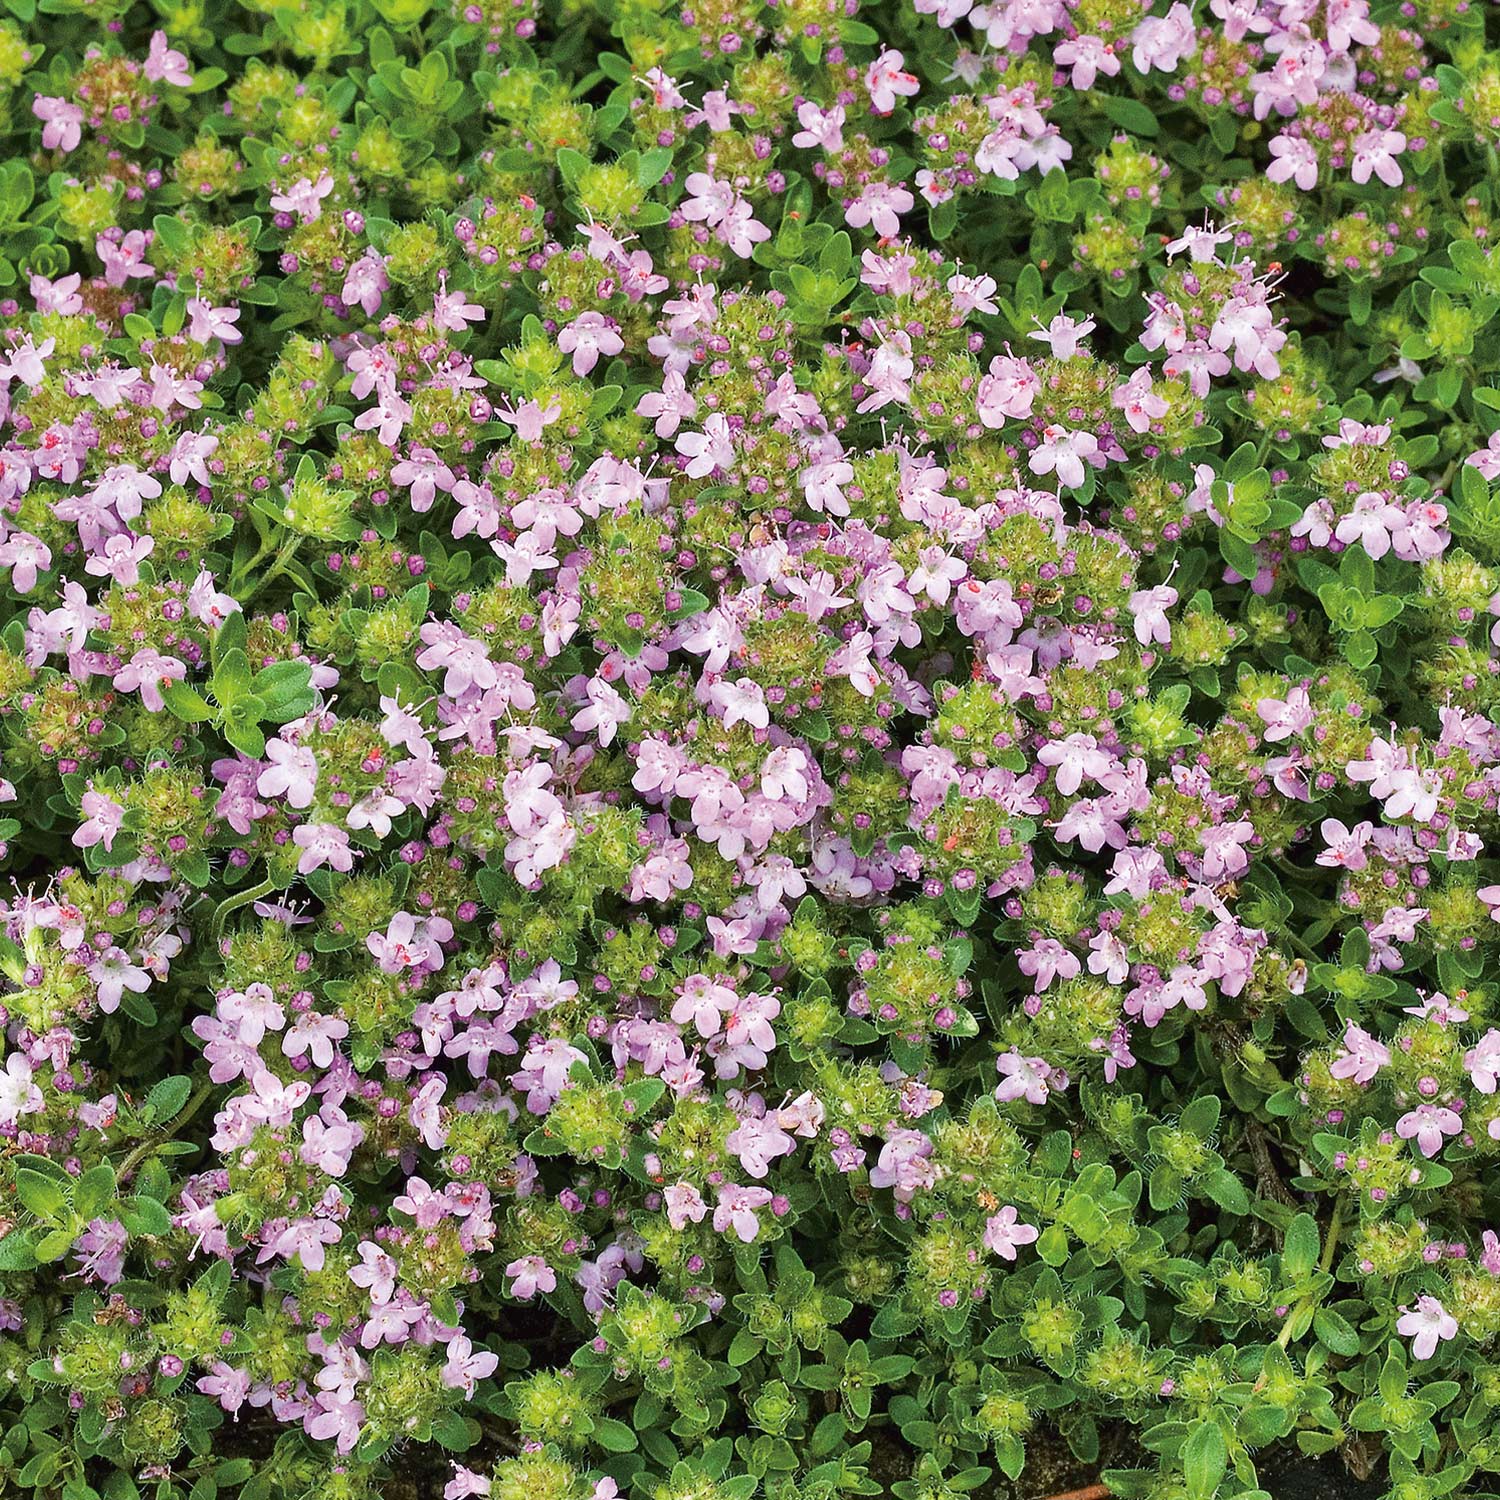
x,y
748,748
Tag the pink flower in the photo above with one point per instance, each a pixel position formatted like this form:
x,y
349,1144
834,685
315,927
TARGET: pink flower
x,y
366,283
1483,1062
530,1274
1427,1325
1008,390
1063,335
684,1203
26,556
1064,452
313,1035
19,1094
1002,1234
230,1387
1370,524
126,260
1362,1058
888,81
148,671
742,701
1074,759
588,337
1148,608
466,1483
1047,960
292,773
711,449
103,818
1028,1078
879,205
207,322
1427,1125
1295,161
305,1239
736,1210
60,296
121,558
322,844
426,1115
1139,402
1376,151
165,64
424,474
1163,41
1088,57
821,128
304,198
464,1369
114,972
452,311
1487,459
62,122
410,943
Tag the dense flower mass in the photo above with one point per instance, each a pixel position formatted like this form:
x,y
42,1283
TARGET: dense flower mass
x,y
751,747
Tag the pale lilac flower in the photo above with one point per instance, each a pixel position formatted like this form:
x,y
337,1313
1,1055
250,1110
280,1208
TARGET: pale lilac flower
x,y
888,81
530,1274
1064,452
19,1094
1363,1056
304,198
103,818
1003,1234
1295,161
1376,151
587,338
207,322
1028,1078
1482,1061
62,122
114,972
165,64
823,129
1427,1325
322,844
879,206
1427,1125
684,1204
736,1210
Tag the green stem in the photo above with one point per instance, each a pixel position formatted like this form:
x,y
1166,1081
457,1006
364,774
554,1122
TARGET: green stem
x,y
284,555
194,1104
233,903
1325,1263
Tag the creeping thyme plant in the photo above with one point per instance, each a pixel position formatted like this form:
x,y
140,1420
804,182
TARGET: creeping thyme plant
x,y
750,747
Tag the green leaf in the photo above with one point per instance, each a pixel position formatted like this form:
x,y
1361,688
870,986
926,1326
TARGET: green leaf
x,y
1128,114
1201,1117
285,687
1205,1456
1335,1332
1299,1248
186,704
1227,1191
94,1191
16,1253
41,1195
232,677
613,1436
146,1216
166,1099
743,1347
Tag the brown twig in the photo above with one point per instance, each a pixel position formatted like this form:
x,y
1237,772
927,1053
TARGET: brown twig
x,y
1089,1492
